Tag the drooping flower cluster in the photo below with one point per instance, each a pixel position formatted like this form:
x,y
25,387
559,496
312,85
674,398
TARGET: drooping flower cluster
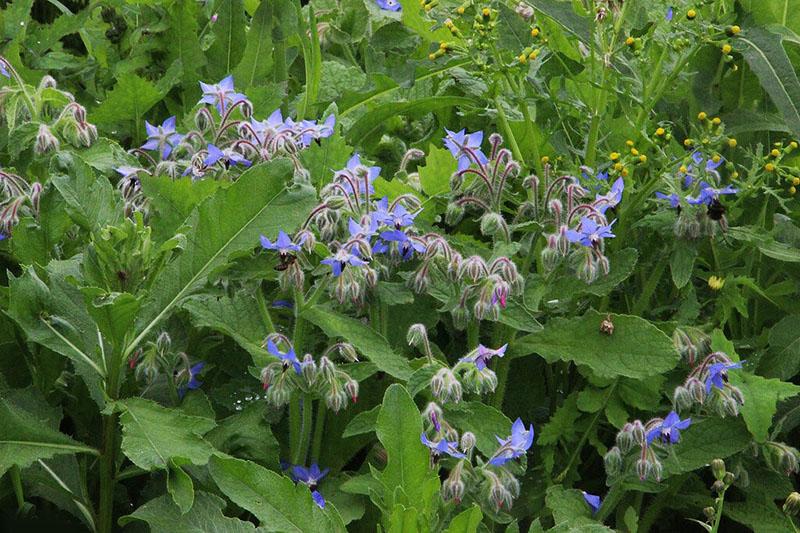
x,y
159,360
18,198
707,385
491,480
580,221
323,378
228,138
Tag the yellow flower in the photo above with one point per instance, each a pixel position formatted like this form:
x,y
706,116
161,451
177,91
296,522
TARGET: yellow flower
x,y
460,10
733,30
634,151
535,32
716,121
691,14
732,142
486,11
629,142
793,144
775,152
618,166
769,167
716,283
614,156
688,142
630,41
795,181
792,190
545,160
660,132
702,115
533,55
643,158
726,49
683,169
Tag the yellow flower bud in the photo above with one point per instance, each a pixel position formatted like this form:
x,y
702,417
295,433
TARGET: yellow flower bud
x,y
792,190
624,173
614,156
702,115
691,14
734,175
734,30
432,57
716,283
775,152
486,12
629,142
460,10
726,49
769,167
682,169
660,132
795,181
793,144
715,158
545,160
634,152
535,32
716,121
643,158
688,142
618,166
523,58
533,55
630,41
732,142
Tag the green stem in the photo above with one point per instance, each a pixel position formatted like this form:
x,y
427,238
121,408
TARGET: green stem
x,y
502,119
16,482
718,516
319,430
649,288
501,370
264,311
576,453
105,519
610,502
659,502
305,430
295,420
473,334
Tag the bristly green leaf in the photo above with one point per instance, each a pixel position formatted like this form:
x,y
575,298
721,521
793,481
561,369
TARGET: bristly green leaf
x,y
765,55
226,223
229,39
25,438
256,61
273,499
180,486
635,349
466,521
365,339
127,102
153,435
399,428
163,515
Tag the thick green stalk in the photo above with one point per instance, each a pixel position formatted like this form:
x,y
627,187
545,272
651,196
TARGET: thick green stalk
x,y
502,120
319,430
264,311
108,458
295,419
16,483
610,502
305,430
718,516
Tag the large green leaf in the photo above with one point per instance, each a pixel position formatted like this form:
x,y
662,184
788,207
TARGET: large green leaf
x,y
257,59
466,521
172,201
399,428
226,223
434,175
128,101
636,348
229,39
570,509
483,420
152,435
91,201
704,440
563,13
767,58
247,435
782,360
273,499
26,438
182,43
761,397
237,317
378,116
163,515
366,340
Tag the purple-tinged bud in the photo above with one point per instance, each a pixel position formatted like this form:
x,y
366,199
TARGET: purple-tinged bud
x,y
728,407
433,413
87,133
551,258
562,242
788,460
453,489
643,468
524,10
214,18
421,280
697,389
473,268
613,461
370,277
718,487
437,384
555,208
79,112
468,441
203,119
500,496
792,504
309,369
417,335
307,239
603,264
709,512
45,140
587,271
351,388
47,82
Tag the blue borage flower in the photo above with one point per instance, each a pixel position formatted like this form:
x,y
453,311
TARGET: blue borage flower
x,y
590,233
356,176
288,358
670,14
342,258
4,70
310,477
466,148
227,156
612,198
482,355
708,194
221,95
718,375
440,447
163,138
283,244
389,5
668,429
192,382
515,446
406,246
593,501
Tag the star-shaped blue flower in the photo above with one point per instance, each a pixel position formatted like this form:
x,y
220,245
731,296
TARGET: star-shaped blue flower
x,y
483,355
221,95
352,166
590,233
465,147
669,430
162,138
192,383
612,198
405,245
514,446
593,501
341,259
227,156
674,199
288,358
389,5
708,193
283,244
443,446
718,374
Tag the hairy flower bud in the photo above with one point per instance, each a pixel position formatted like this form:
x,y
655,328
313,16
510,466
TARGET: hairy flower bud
x,y
45,140
473,268
468,441
417,335
327,369
613,461
348,352
453,489
792,504
638,433
718,469
682,398
493,225
47,82
336,399
309,368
